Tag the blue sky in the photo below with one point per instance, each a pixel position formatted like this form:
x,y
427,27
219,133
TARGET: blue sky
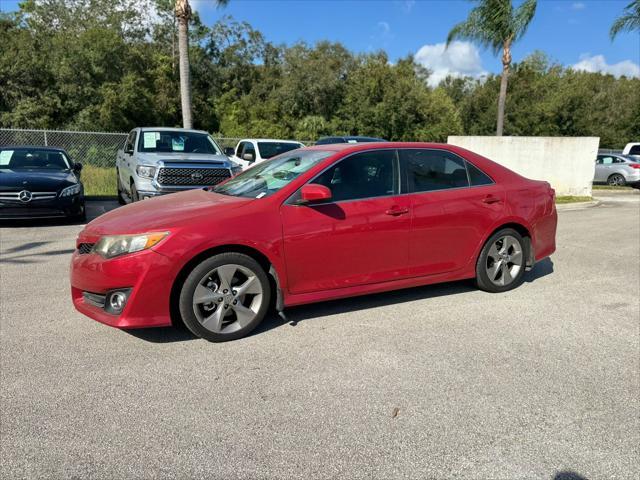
x,y
571,32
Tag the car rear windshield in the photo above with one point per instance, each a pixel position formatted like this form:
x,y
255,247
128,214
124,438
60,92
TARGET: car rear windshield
x,y
271,149
159,141
33,159
268,177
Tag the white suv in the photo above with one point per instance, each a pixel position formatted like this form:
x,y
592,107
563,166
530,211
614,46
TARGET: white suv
x,y
155,161
250,151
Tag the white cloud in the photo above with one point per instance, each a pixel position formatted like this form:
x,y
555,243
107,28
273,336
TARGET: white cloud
x,y
460,59
578,6
597,63
407,6
384,27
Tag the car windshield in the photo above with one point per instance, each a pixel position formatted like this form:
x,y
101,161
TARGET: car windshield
x,y
271,149
168,141
33,159
266,178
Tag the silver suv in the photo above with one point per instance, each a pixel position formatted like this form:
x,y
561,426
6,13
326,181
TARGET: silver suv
x,y
156,161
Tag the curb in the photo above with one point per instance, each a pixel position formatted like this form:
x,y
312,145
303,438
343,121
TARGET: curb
x,y
577,205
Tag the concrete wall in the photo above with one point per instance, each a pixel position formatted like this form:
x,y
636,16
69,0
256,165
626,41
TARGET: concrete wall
x,y
567,163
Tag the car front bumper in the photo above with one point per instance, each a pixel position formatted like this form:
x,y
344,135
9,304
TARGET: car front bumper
x,y
55,208
147,275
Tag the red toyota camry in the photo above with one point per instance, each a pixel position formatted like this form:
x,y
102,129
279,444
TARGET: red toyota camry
x,y
312,224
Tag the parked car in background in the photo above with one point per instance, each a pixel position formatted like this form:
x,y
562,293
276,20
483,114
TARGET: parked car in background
x,y
250,151
632,149
310,225
615,169
40,182
156,161
348,139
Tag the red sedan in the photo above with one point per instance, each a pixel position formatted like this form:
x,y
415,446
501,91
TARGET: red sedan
x,y
312,224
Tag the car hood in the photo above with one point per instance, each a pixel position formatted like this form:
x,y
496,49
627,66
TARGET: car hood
x,y
169,157
166,213
36,180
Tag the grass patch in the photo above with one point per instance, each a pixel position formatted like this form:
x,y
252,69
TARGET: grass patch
x,y
99,181
611,187
572,199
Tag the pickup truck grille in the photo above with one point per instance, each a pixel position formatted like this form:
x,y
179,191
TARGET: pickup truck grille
x,y
172,176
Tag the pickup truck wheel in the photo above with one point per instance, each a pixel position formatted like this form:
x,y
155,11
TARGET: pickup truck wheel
x,y
121,199
225,297
134,193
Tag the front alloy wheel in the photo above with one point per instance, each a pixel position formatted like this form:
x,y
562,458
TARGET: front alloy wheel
x,y
225,297
502,262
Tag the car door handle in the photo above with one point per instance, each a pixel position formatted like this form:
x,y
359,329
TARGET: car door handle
x,y
491,199
395,211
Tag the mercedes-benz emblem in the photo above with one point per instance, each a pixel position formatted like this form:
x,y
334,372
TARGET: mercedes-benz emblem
x,y
197,176
25,196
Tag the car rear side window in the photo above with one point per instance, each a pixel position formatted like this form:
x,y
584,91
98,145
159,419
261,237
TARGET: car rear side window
x,y
429,170
477,177
360,176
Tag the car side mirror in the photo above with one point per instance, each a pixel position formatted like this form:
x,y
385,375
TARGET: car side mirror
x,y
249,157
313,193
77,167
229,151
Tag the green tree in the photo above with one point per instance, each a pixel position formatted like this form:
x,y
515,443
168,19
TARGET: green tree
x,y
496,24
628,21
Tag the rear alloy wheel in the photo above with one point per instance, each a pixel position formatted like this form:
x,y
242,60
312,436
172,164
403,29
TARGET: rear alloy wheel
x,y
616,180
502,262
225,297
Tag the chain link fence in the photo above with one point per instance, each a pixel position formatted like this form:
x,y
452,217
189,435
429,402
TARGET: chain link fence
x,y
95,150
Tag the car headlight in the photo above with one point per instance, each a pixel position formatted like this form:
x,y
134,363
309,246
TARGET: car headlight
x,y
145,171
72,190
115,245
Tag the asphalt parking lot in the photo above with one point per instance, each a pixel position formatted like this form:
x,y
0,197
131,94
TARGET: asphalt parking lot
x,y
434,382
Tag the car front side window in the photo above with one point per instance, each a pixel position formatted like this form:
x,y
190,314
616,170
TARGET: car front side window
x,y
360,176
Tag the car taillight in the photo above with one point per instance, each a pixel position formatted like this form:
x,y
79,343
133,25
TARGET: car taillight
x,y
635,165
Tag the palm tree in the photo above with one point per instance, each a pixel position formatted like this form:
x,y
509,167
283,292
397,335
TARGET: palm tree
x,y
183,14
629,21
496,24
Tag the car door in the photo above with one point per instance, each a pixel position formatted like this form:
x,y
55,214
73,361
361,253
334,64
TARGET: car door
x,y
598,175
453,206
124,160
359,237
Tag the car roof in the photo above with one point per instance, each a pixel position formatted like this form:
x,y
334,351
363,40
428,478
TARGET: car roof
x,y
171,129
32,147
339,147
269,140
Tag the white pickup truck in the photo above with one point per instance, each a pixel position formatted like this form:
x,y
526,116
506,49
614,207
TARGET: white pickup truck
x,y
156,161
250,151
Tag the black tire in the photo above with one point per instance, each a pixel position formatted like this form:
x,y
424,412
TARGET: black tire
x,y
482,276
134,192
200,271
616,180
81,217
121,199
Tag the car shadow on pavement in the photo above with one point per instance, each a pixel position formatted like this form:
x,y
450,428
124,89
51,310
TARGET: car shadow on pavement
x,y
568,475
292,316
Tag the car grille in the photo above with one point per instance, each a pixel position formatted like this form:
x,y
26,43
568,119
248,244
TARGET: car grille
x,y
171,176
14,197
85,248
94,299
